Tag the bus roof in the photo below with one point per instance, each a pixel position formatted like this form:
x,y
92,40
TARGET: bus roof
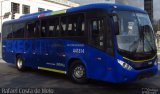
x,y
79,8
106,6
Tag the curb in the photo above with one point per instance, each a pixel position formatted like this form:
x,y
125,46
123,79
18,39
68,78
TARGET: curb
x,y
2,61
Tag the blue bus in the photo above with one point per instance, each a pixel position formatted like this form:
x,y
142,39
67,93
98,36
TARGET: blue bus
x,y
107,42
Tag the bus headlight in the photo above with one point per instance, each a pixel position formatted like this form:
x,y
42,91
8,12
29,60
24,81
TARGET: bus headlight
x,y
124,65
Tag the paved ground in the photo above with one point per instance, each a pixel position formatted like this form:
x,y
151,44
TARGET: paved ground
x,y
11,78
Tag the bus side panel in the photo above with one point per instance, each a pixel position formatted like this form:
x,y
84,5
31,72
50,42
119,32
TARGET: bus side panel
x,y
28,49
101,66
51,55
31,52
74,50
56,50
11,48
96,68
7,53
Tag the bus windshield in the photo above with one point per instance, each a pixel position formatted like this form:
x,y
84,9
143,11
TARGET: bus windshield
x,y
135,33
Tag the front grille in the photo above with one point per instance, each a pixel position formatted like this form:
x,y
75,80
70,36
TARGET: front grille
x,y
142,67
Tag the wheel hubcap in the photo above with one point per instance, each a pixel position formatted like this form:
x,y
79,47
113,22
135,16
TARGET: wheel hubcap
x,y
19,63
79,72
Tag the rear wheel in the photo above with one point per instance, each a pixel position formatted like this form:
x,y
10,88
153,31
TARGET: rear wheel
x,y
77,72
20,63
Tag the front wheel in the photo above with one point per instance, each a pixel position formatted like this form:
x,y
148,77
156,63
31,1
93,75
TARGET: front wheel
x,y
20,63
77,72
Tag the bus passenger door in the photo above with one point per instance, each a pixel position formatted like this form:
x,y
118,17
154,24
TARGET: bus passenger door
x,y
96,52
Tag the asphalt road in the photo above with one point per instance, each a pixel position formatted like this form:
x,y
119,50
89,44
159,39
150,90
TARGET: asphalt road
x,y
11,78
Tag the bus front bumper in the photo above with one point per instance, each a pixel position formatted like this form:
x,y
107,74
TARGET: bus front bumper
x,y
132,75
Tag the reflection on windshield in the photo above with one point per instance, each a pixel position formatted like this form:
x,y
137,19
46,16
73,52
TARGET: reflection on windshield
x,y
147,32
136,32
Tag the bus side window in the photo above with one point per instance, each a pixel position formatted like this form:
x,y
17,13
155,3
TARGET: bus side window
x,y
51,30
57,30
63,26
44,28
6,31
18,30
50,27
32,30
97,33
10,32
76,25
72,25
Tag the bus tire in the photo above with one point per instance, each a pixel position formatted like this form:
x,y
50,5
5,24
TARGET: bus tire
x,y
77,72
20,63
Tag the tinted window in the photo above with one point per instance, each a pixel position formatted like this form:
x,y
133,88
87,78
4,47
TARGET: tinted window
x,y
50,27
44,28
18,30
4,31
7,31
72,25
32,29
64,26
76,25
